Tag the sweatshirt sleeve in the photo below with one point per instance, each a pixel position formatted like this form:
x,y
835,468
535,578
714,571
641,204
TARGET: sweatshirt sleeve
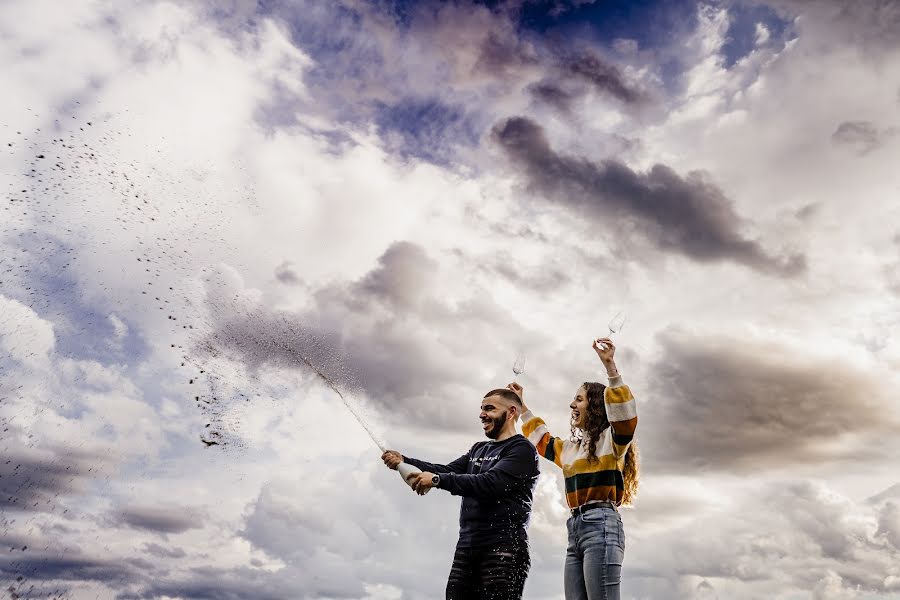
x,y
622,414
537,433
518,465
457,466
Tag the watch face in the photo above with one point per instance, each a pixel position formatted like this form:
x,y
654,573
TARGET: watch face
x,y
435,479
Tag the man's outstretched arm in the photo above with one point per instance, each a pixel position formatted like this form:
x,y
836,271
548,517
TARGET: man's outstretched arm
x,y
495,483
392,458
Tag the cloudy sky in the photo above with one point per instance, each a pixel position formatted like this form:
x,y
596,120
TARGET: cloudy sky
x,y
209,207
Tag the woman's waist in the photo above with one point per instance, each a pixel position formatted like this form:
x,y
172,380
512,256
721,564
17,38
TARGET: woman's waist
x,y
578,497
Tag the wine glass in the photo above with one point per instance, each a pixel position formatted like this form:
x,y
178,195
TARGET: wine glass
x,y
518,365
616,324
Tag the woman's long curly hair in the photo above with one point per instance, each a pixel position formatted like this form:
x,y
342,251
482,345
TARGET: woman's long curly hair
x,y
595,423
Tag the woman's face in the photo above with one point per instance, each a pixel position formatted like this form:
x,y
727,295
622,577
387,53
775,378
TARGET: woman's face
x,y
579,408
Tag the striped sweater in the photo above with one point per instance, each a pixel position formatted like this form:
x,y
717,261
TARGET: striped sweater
x,y
591,481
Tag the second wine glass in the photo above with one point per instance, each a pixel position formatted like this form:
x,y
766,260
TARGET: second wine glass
x,y
518,366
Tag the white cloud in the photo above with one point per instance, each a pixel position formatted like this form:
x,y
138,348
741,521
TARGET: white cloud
x,y
762,34
24,336
120,329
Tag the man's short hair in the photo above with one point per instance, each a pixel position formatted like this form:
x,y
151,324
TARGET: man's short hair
x,y
507,394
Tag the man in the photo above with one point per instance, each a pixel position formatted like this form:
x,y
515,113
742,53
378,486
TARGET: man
x,y
496,480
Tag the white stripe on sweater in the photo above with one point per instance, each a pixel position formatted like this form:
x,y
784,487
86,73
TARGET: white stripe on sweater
x,y
621,411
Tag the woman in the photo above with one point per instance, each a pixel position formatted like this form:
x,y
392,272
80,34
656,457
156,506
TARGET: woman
x,y
600,467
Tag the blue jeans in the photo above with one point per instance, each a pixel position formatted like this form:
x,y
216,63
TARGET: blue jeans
x,y
594,557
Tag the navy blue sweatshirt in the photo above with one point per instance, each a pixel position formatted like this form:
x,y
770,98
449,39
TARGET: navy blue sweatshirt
x,y
496,481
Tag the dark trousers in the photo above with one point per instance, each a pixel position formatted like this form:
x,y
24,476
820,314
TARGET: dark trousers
x,y
489,573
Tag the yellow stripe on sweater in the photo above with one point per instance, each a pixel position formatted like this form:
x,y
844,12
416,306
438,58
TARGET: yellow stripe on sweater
x,y
618,395
607,462
529,427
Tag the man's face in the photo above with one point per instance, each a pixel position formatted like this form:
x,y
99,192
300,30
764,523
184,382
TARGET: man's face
x,y
494,414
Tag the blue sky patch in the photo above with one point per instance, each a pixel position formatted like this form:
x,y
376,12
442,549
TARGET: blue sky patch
x,y
652,23
742,30
424,128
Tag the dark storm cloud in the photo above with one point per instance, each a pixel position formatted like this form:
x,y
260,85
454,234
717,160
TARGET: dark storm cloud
x,y
502,54
601,75
159,519
135,578
319,340
401,278
508,55
163,551
554,95
735,404
71,567
34,480
389,333
570,76
688,215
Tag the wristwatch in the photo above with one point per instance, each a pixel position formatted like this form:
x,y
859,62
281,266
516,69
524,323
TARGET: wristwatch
x,y
435,480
